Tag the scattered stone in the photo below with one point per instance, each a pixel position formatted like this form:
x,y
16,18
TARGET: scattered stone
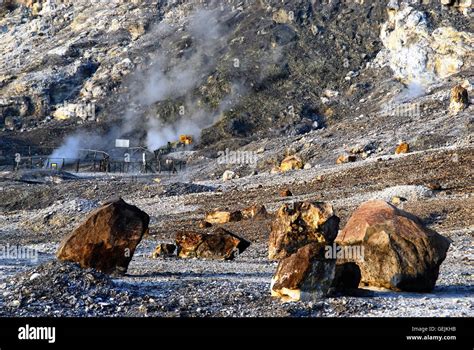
x,y
281,16
223,217
402,148
164,250
434,186
307,166
220,245
344,158
228,175
107,239
300,223
286,193
293,162
255,211
304,275
400,253
459,99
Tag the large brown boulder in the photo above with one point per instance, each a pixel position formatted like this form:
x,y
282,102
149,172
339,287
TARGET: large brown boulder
x,y
304,275
300,223
107,239
220,245
400,253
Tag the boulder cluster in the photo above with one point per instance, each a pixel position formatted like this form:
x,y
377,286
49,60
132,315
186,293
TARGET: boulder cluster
x,y
380,246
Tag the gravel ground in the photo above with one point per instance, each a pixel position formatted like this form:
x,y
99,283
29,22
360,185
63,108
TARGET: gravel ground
x,y
173,287
38,216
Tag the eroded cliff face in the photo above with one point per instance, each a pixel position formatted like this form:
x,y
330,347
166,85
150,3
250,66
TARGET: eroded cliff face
x,y
419,52
231,73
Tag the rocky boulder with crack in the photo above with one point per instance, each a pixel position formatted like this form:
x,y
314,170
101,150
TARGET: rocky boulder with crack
x,y
300,223
400,253
304,275
107,239
220,245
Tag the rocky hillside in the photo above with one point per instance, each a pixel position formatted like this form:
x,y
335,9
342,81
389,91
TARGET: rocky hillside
x,y
227,74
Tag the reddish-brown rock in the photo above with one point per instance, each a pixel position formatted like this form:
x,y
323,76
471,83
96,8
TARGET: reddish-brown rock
x,y
107,239
400,253
220,245
300,223
304,275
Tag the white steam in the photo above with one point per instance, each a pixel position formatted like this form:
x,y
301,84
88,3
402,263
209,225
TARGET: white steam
x,y
170,79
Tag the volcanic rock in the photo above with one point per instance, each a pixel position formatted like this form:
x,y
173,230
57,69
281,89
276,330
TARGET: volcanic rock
x,y
255,211
293,162
459,99
346,159
400,253
164,250
220,245
402,148
223,217
286,193
300,223
304,275
107,239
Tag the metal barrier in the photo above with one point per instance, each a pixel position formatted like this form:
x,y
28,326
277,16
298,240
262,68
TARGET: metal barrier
x,y
105,165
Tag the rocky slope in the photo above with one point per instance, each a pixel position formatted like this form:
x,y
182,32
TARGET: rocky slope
x,y
149,70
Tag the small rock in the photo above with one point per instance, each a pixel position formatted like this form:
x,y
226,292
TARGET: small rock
x,y
223,217
220,245
255,211
228,175
164,250
402,148
34,276
459,99
345,159
293,162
